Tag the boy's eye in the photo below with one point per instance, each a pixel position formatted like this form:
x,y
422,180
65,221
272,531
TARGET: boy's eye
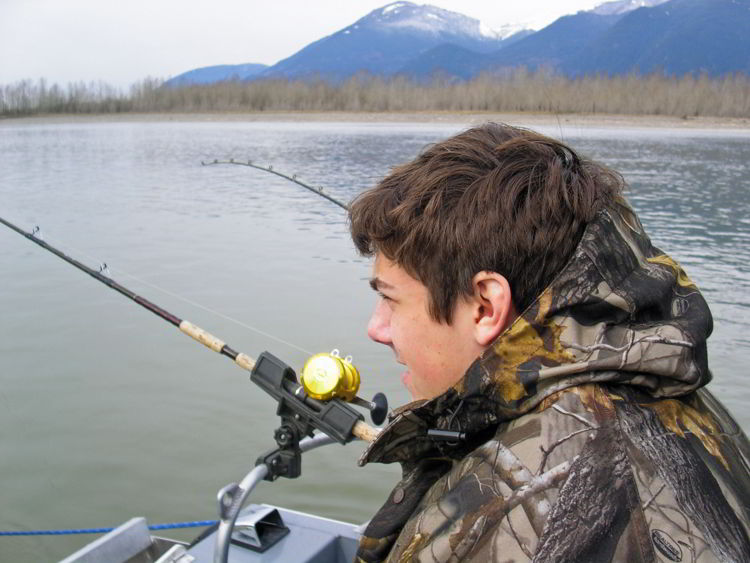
x,y
384,296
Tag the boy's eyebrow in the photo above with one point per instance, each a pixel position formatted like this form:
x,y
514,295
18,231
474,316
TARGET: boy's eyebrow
x,y
377,284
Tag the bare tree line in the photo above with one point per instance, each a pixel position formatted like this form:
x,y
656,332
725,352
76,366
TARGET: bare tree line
x,y
515,91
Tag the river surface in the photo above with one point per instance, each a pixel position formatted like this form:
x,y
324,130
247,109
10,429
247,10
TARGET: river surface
x,y
107,412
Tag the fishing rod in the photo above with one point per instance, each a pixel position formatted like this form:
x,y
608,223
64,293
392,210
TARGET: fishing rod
x,y
320,402
293,178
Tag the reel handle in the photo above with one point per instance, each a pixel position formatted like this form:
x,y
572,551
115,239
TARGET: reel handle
x,y
378,407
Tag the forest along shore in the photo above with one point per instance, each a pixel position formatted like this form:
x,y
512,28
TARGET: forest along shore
x,y
519,92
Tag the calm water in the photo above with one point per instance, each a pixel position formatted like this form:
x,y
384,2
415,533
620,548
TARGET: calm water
x,y
107,412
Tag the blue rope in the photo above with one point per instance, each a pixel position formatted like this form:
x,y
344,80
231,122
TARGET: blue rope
x,y
172,526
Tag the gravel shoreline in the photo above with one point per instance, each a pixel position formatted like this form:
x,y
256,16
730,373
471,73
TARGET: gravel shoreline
x,y
466,118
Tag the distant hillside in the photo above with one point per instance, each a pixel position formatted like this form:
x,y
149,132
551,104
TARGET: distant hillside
x,y
676,37
218,73
453,62
564,40
447,61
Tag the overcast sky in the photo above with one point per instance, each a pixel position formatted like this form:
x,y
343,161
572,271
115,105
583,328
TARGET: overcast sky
x,y
121,42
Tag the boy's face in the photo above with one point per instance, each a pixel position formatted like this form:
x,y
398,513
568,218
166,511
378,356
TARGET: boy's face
x,y
436,354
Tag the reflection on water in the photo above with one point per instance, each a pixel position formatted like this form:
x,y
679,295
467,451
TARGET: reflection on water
x,y
109,412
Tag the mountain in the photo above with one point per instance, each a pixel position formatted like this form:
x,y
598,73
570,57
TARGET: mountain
x,y
675,37
386,40
619,7
446,61
452,62
566,39
558,46
670,36
218,73
616,37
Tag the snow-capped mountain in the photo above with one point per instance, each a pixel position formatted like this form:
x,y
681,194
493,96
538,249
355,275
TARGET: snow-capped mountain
x,y
620,36
385,40
618,7
431,19
506,31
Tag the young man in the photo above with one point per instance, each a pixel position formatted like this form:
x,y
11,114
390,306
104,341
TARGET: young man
x,y
556,360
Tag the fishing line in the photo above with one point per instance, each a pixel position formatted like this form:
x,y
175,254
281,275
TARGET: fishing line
x,y
106,270
220,314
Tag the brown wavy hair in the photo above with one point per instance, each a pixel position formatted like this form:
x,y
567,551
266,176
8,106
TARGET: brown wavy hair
x,y
494,197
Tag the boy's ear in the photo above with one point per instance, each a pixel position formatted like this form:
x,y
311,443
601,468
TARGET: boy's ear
x,y
493,306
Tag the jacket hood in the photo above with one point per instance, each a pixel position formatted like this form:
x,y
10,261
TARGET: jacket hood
x,y
621,311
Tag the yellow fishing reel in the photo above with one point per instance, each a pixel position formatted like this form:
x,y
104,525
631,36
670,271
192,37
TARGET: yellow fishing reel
x,y
325,376
328,376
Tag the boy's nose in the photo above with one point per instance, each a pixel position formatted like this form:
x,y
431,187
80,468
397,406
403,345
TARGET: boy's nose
x,y
379,327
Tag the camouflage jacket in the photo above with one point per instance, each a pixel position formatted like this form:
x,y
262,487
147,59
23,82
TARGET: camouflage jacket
x,y
586,434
